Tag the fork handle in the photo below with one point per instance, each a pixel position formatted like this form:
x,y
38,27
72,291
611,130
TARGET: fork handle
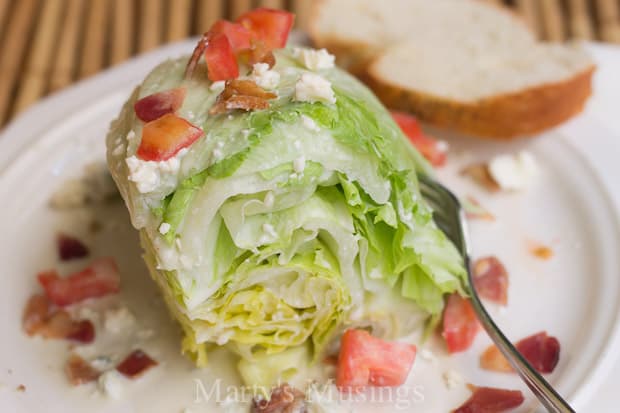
x,y
552,401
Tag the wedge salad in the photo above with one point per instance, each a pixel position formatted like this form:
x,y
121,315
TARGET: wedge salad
x,y
277,202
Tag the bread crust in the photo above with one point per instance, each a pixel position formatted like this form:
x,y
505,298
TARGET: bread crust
x,y
522,113
525,112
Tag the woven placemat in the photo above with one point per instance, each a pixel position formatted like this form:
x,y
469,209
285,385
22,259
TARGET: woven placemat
x,y
48,44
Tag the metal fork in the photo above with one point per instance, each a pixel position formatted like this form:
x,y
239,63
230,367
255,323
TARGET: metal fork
x,y
450,218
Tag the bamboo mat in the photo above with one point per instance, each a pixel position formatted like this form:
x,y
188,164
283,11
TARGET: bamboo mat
x,y
46,45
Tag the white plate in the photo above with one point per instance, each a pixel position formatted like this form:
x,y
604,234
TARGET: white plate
x,y
575,296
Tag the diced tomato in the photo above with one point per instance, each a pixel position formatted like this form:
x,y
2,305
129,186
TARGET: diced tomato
x,y
238,36
268,25
70,247
158,104
540,350
220,58
460,324
429,148
366,360
491,280
491,400
83,331
164,137
135,364
99,279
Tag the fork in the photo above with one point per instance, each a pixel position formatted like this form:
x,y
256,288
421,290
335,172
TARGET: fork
x,y
450,218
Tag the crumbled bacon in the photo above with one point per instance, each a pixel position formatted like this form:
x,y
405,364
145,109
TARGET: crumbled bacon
x,y
474,210
491,280
481,175
492,359
35,314
99,279
199,50
257,53
540,350
40,318
542,251
283,399
135,364
491,400
70,247
79,371
241,94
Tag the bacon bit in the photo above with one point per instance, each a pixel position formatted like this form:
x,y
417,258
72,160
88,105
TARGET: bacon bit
x,y
491,400
491,280
492,359
540,350
79,371
331,360
474,210
99,279
542,251
39,319
257,53
70,247
82,331
35,314
135,364
283,399
482,176
155,106
200,48
241,94
21,388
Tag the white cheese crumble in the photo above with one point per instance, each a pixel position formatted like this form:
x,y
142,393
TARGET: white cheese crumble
x,y
452,379
428,355
111,384
314,88
218,86
164,228
314,59
513,172
297,144
148,175
299,164
119,320
309,123
264,77
102,363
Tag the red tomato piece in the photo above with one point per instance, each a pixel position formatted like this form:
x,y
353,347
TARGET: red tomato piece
x,y
460,324
70,247
158,104
135,364
220,58
82,331
268,25
164,137
366,360
99,279
428,147
491,280
541,350
491,400
238,36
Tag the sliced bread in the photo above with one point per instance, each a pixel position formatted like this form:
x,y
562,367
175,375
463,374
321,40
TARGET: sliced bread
x,y
460,64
